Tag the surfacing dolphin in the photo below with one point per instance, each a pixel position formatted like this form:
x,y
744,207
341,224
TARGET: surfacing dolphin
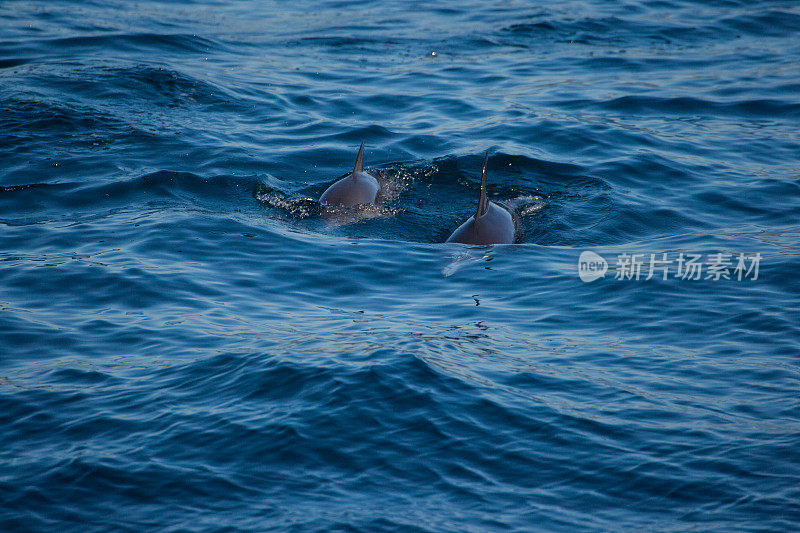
x,y
358,188
491,223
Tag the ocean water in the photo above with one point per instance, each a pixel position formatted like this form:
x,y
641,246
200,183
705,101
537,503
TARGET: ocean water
x,y
188,342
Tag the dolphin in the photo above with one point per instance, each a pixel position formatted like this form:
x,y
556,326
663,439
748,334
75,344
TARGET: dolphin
x,y
358,188
491,223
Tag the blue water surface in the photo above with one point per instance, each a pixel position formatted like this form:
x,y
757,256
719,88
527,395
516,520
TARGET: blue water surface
x,y
189,342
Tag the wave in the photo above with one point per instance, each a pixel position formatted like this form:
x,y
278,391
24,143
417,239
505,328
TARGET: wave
x,y
118,42
641,29
162,188
684,105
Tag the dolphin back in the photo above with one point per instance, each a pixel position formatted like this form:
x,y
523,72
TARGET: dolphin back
x,y
496,226
358,188
491,223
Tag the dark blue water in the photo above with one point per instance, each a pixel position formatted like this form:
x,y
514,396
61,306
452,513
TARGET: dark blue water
x,y
188,343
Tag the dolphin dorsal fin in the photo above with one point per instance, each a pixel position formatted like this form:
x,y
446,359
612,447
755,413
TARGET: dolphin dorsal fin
x,y
359,162
483,202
